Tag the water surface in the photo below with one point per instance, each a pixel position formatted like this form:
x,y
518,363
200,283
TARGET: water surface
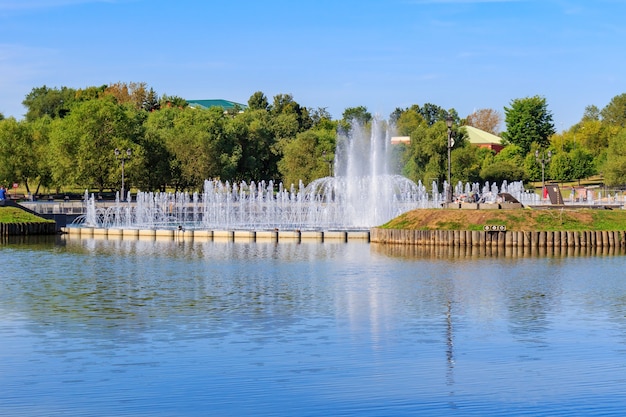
x,y
98,327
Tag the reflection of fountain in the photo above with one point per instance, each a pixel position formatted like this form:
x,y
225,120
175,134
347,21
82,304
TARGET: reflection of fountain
x,y
363,193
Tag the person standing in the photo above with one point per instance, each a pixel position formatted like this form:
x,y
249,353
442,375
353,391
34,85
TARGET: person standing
x,y
3,193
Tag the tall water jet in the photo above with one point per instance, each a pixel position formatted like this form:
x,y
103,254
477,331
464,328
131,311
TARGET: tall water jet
x,y
364,186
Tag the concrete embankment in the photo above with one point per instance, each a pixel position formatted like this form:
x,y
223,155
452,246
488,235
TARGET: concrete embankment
x,y
499,238
222,235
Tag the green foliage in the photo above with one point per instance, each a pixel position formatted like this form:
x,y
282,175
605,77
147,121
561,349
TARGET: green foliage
x,y
614,113
52,102
82,144
615,167
17,215
308,157
258,101
502,170
561,167
528,121
582,164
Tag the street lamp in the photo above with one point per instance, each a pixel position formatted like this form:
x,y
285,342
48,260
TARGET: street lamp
x,y
543,160
449,122
120,155
329,162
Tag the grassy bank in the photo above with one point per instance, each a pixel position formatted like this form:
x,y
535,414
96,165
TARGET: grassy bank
x,y
514,220
16,215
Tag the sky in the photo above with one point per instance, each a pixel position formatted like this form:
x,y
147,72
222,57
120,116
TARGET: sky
x,y
332,54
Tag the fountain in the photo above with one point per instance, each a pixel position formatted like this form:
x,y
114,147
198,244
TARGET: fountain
x,y
364,192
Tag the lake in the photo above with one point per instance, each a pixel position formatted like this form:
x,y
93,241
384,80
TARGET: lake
x,y
103,327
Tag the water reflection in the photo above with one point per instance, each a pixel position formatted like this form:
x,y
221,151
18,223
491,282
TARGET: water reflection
x,y
476,252
131,327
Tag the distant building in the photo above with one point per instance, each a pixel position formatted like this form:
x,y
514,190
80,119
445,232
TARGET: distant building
x,y
483,139
225,104
400,139
475,136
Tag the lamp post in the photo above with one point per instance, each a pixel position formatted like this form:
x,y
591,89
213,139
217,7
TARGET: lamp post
x,y
329,162
543,160
449,122
120,155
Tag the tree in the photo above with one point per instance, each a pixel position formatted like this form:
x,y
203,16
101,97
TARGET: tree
x,y
426,157
358,114
432,113
488,120
82,145
591,113
528,121
500,171
615,112
202,147
151,103
307,157
582,164
135,94
408,120
615,167
258,101
253,134
561,167
44,101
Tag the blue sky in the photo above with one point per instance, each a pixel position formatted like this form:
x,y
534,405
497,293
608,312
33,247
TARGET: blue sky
x,y
462,54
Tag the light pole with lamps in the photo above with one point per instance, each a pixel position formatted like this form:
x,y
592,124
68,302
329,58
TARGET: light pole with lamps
x,y
120,155
329,162
543,160
449,122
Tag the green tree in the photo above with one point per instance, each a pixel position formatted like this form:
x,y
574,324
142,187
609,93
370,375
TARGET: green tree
x,y
258,101
358,114
53,102
500,171
614,113
561,167
253,134
408,120
528,121
82,145
615,167
308,156
202,147
426,157
582,164
151,102
23,151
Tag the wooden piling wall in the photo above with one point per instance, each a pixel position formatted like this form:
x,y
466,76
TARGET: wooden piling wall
x,y
480,238
23,229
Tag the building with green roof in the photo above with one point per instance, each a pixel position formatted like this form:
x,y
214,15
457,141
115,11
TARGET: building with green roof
x,y
225,104
483,139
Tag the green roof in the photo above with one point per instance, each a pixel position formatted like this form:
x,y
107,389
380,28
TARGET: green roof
x,y
479,137
225,104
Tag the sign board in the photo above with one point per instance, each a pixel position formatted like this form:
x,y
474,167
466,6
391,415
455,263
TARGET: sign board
x,y
494,228
554,192
15,185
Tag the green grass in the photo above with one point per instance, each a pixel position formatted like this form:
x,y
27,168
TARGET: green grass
x,y
15,215
513,220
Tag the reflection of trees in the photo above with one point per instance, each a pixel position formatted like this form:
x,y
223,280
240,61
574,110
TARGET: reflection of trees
x,y
118,289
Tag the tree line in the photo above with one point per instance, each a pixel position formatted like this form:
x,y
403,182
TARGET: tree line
x,y
68,138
